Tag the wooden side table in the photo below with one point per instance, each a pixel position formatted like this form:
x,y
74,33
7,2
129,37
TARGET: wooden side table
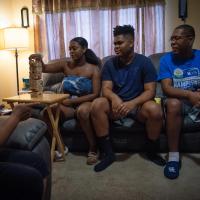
x,y
48,100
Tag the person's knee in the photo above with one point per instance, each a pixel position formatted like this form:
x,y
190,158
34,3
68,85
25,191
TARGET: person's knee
x,y
153,110
99,105
83,113
173,106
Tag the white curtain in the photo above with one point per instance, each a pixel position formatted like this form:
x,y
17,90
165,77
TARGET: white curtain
x,y
97,27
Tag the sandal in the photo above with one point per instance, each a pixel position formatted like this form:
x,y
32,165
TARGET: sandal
x,y
92,158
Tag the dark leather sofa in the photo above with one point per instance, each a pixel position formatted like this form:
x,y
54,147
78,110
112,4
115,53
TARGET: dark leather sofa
x,y
30,135
126,135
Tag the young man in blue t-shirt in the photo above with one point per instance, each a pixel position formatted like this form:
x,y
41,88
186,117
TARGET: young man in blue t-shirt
x,y
180,79
128,89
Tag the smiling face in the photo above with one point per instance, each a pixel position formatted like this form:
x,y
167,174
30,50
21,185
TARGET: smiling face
x,y
181,41
76,51
123,45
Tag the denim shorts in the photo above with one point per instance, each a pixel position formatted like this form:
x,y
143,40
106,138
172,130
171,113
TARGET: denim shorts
x,y
188,110
129,120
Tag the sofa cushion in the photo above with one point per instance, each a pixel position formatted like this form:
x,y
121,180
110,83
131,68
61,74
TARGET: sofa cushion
x,y
189,125
70,124
127,124
27,134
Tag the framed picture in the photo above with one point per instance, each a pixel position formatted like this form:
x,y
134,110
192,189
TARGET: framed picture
x,y
25,17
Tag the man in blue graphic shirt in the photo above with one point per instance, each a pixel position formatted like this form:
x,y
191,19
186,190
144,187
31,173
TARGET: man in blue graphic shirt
x,y
180,79
128,89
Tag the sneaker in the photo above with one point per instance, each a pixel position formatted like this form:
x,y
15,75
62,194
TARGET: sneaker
x,y
59,155
171,169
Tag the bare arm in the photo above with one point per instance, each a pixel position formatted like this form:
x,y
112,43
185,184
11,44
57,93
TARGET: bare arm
x,y
53,67
148,94
115,100
170,91
107,90
20,112
90,97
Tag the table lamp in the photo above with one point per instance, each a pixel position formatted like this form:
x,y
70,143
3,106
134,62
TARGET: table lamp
x,y
14,38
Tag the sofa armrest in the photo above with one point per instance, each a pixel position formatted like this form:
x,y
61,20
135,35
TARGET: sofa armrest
x,y
27,134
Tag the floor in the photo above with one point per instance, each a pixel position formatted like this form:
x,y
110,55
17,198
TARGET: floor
x,y
131,177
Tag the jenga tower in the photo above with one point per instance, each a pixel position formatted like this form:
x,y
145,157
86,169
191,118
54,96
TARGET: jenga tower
x,y
35,76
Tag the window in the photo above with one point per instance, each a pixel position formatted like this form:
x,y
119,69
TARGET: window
x,y
97,26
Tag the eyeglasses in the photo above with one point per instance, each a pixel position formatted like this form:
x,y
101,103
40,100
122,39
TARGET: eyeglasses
x,y
179,37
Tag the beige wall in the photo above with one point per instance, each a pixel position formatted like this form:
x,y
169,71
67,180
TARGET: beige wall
x,y
172,20
5,16
10,16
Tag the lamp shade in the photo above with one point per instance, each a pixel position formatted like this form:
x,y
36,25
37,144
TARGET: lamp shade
x,y
14,38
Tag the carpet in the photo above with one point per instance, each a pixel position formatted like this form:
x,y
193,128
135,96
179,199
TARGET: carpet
x,y
131,177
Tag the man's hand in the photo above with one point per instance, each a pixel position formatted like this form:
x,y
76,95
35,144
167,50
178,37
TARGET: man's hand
x,y
194,98
116,105
126,107
22,111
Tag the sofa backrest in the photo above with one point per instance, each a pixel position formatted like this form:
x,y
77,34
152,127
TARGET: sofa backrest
x,y
52,81
155,58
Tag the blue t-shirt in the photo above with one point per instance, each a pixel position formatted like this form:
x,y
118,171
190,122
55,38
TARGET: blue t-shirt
x,y
185,74
128,81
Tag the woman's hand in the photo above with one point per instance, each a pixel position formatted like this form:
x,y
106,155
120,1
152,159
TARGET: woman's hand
x,y
36,56
67,102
